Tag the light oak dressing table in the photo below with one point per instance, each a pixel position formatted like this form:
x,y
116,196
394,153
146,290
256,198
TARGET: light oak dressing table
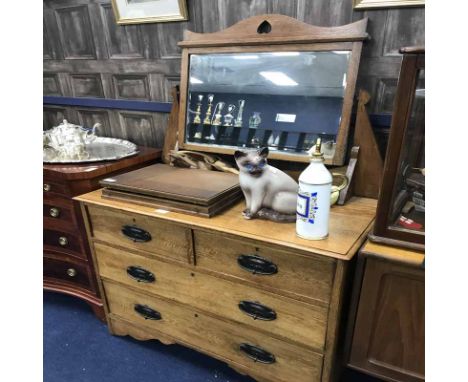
x,y
250,293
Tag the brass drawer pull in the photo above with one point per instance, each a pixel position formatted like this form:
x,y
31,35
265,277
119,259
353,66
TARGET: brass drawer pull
x,y
140,274
147,313
257,265
63,241
54,212
71,272
47,187
136,234
257,311
257,354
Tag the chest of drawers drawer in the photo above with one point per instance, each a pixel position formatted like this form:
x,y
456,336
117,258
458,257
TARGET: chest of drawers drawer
x,y
64,270
274,314
142,233
263,355
52,188
65,242
306,277
59,212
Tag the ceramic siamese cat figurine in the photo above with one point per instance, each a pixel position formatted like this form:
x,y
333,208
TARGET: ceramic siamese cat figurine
x,y
269,193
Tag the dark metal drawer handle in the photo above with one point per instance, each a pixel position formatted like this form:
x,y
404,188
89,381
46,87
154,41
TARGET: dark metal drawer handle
x,y
257,354
257,311
136,234
140,274
147,313
257,265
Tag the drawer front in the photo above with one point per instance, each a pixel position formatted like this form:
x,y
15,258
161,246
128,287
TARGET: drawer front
x,y
64,242
277,315
287,362
140,232
306,277
72,272
59,212
53,188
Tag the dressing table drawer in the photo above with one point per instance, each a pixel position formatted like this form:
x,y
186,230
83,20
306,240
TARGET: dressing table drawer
x,y
134,231
276,360
277,315
307,277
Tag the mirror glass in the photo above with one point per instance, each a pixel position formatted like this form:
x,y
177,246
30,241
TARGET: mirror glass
x,y
283,100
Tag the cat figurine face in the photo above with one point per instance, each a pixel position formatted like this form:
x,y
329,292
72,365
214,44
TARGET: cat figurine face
x,y
252,162
269,192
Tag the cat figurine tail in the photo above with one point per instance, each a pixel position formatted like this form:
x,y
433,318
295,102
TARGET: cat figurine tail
x,y
269,192
269,214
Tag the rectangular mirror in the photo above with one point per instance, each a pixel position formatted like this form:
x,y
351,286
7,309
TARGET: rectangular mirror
x,y
283,97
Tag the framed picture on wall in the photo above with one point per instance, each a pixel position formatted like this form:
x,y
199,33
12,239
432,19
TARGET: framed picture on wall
x,y
366,4
149,11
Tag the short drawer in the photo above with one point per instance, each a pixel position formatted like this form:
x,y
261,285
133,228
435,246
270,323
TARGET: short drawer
x,y
277,315
53,188
70,272
64,242
306,276
140,232
271,358
59,212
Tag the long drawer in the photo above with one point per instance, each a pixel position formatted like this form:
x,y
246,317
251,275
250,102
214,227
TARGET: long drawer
x,y
274,314
261,354
308,277
140,232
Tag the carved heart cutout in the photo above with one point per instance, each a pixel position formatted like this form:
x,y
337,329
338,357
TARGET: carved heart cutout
x,y
264,27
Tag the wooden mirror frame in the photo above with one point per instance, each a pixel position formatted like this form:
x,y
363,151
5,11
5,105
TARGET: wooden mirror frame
x,y
282,33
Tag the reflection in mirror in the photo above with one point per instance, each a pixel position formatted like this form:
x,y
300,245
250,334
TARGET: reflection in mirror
x,y
283,100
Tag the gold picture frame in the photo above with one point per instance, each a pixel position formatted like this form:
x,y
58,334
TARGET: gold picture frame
x,y
149,11
369,4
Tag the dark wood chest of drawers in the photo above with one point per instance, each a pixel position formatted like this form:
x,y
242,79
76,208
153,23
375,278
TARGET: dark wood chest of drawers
x,y
68,267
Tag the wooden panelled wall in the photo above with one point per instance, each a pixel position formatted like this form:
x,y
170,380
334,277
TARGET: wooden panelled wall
x,y
86,54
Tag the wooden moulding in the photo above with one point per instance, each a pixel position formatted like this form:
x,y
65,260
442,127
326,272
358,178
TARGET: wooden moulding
x,y
274,32
284,29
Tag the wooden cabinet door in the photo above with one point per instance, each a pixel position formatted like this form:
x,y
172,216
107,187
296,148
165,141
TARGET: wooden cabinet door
x,y
388,336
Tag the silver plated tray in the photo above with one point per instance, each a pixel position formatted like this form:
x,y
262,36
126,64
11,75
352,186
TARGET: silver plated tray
x,y
100,149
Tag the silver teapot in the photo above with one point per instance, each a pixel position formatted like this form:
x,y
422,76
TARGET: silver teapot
x,y
68,141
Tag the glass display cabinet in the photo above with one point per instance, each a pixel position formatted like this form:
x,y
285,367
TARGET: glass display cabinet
x,y
400,218
270,81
